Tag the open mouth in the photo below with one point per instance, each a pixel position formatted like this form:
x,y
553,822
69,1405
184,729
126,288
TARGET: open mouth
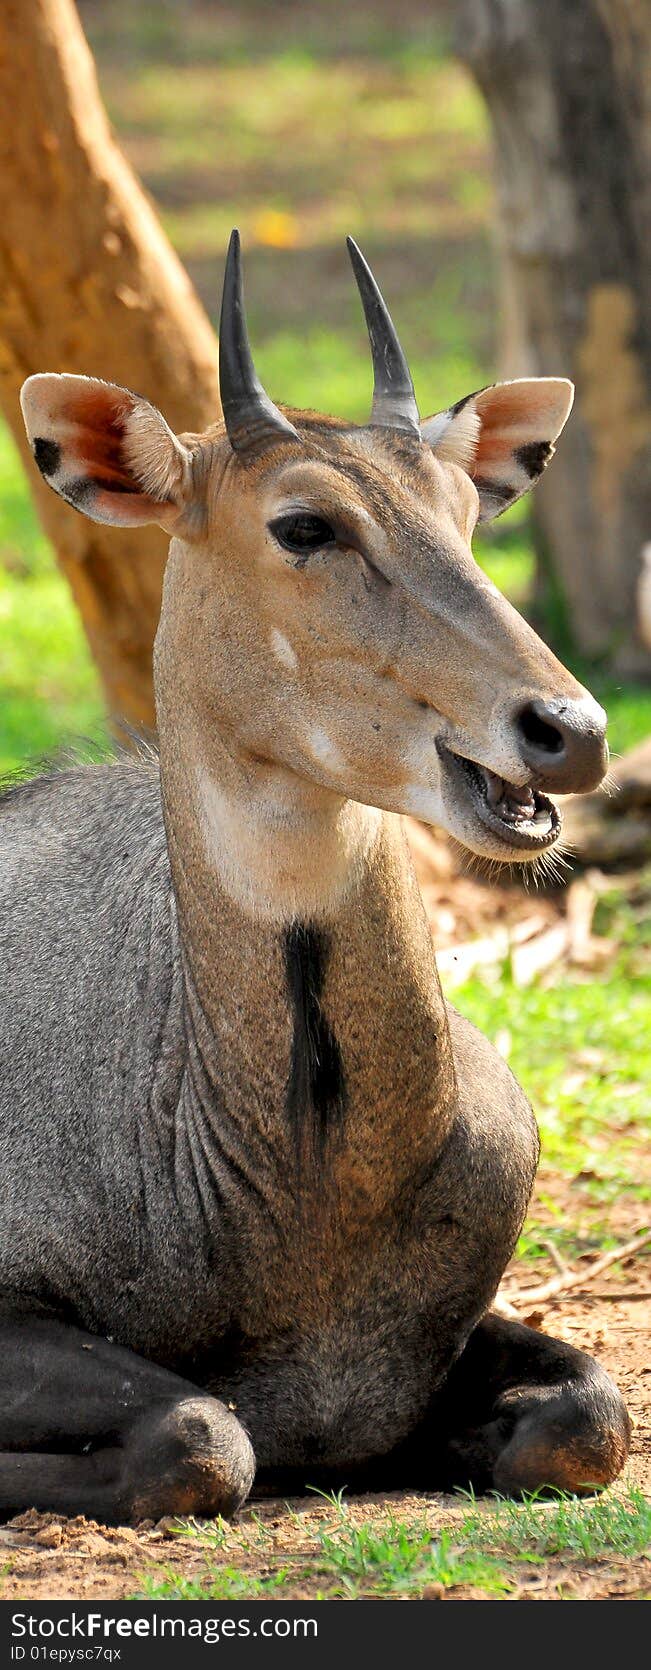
x,y
522,818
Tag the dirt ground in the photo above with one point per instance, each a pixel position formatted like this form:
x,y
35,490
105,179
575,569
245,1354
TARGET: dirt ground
x,y
43,1556
46,1557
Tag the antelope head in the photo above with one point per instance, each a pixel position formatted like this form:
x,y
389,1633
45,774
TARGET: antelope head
x,y
322,610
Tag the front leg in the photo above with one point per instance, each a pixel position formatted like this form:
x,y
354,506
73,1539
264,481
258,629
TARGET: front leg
x,y
519,1411
87,1427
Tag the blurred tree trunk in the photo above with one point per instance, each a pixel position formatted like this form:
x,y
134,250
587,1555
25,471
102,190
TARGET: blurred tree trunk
x,y
89,283
568,88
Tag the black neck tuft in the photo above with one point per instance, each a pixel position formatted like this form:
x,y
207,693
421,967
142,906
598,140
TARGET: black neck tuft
x,y
316,1091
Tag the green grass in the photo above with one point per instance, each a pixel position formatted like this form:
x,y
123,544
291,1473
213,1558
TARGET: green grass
x,y
184,31
347,1560
219,1583
24,550
581,1049
50,693
400,1559
611,1524
369,125
332,141
591,1107
386,1556
356,120
396,1557
50,689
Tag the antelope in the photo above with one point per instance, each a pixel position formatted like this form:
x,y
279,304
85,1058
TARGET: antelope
x,y
261,1180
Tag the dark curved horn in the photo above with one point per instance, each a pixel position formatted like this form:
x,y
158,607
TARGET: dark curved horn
x,y
394,401
252,421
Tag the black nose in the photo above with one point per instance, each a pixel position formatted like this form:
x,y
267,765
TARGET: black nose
x,y
564,744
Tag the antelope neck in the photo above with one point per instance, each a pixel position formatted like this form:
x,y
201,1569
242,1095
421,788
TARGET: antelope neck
x,y
279,847
312,993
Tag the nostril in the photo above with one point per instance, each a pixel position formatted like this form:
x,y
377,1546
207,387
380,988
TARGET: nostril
x,y
538,732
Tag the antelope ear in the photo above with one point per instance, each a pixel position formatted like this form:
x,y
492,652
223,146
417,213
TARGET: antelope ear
x,y
106,451
503,436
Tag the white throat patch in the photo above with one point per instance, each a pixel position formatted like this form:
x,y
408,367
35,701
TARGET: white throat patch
x,y
279,859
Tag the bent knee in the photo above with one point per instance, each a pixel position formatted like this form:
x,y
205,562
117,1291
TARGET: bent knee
x,y
575,1436
196,1459
492,1104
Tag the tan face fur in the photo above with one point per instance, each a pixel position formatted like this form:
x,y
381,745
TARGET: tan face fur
x,y
378,662
352,664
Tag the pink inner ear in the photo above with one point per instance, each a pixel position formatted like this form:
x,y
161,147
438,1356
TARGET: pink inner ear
x,y
124,508
505,404
496,445
93,446
96,417
94,405
514,413
80,435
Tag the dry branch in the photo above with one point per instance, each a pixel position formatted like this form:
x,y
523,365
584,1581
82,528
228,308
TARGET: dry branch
x,y
523,1298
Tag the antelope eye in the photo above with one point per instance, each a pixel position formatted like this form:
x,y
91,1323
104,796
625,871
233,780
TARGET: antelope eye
x,y
301,532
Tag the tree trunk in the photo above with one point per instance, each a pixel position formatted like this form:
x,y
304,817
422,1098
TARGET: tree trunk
x,y
568,87
89,283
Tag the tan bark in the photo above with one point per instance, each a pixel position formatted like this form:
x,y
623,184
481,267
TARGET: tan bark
x,y
89,283
568,87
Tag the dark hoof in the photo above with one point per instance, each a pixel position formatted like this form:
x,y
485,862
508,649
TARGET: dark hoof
x,y
574,1437
195,1459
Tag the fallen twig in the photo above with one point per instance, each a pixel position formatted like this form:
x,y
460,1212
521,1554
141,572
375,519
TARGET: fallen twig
x,y
503,1307
457,962
521,1298
537,955
620,1298
561,1263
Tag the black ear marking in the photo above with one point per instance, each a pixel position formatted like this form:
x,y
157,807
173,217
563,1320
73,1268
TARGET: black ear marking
x,y
501,491
47,455
533,456
81,492
77,493
453,411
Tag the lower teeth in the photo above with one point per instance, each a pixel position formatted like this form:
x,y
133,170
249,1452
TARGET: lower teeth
x,y
513,806
508,803
518,812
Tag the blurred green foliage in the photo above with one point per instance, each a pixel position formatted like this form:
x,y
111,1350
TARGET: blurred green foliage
x,y
300,124
49,691
368,127
581,1049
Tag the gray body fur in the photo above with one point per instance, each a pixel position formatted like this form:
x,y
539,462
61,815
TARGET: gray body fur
x,y
128,1210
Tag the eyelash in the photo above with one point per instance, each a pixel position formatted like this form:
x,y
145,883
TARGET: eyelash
x,y
302,532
